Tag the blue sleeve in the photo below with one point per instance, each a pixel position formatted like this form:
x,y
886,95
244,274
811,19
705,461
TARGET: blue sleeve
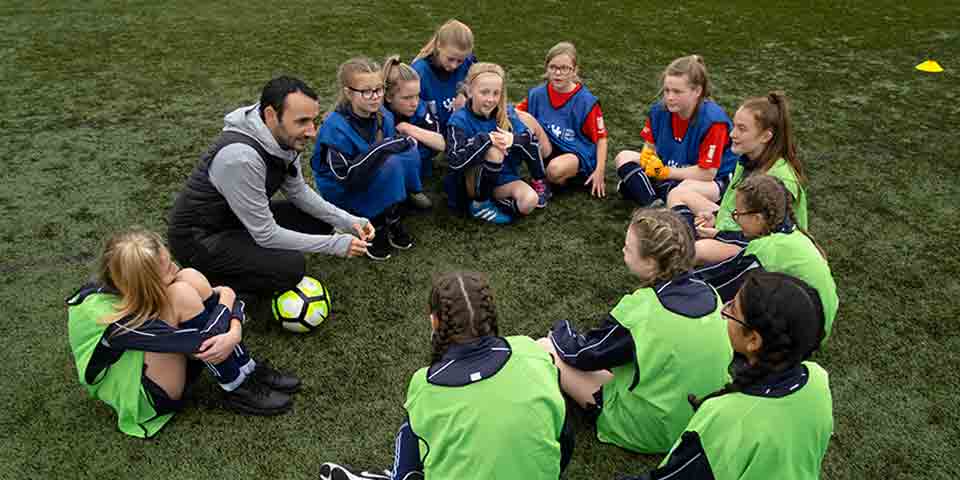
x,y
407,464
607,346
157,336
727,276
463,151
687,462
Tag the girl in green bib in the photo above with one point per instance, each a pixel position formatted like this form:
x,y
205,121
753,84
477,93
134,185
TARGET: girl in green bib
x,y
777,243
661,342
486,407
775,419
145,329
762,136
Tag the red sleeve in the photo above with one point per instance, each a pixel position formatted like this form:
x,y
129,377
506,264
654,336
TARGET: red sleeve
x,y
711,148
647,133
522,106
593,126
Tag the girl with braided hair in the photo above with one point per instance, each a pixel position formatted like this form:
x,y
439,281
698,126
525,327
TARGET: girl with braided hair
x,y
775,418
487,406
661,342
762,137
764,211
362,163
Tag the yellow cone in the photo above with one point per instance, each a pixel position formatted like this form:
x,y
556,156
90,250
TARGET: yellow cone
x,y
930,66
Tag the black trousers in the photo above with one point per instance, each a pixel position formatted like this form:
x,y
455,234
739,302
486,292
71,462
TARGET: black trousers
x,y
232,258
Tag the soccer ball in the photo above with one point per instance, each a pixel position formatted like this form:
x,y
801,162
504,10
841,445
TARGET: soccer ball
x,y
304,307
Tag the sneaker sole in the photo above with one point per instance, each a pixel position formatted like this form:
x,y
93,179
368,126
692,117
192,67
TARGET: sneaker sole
x,y
401,247
328,473
377,259
260,412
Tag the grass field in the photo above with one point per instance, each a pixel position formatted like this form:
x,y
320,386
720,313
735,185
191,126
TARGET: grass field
x,y
106,107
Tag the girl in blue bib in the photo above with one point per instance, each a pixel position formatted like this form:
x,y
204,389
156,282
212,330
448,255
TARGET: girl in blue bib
x,y
443,64
486,143
361,163
413,116
686,140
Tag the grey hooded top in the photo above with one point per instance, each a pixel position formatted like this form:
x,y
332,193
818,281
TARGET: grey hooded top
x,y
239,175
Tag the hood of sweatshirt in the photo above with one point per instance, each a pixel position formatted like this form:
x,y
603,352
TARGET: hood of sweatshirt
x,y
246,120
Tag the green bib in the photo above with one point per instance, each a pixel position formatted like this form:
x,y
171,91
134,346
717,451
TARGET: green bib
x,y
796,255
748,437
503,427
780,169
119,385
677,356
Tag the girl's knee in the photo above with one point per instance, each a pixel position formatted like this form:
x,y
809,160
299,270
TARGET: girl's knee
x,y
626,156
195,279
527,202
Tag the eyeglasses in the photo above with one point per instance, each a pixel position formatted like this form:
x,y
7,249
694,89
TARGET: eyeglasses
x,y
560,68
369,93
724,312
735,214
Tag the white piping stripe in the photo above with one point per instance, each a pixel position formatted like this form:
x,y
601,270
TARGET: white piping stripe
x,y
588,347
441,369
681,468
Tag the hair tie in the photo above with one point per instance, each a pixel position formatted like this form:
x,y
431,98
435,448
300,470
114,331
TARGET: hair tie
x,y
773,99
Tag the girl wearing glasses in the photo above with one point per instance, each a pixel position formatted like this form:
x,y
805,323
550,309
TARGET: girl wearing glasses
x,y
361,163
661,342
775,419
412,117
685,138
486,143
762,136
442,64
777,243
573,122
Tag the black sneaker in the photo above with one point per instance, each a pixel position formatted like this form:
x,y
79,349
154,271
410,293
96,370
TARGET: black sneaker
x,y
276,380
255,398
399,237
380,249
332,471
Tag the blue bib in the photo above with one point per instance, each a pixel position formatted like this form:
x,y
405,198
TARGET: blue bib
x,y
472,124
564,125
685,153
439,87
337,132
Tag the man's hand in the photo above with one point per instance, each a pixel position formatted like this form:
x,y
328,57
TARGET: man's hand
x,y
366,232
357,248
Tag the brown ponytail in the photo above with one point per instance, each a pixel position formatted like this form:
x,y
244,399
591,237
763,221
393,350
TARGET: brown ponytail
x,y
772,112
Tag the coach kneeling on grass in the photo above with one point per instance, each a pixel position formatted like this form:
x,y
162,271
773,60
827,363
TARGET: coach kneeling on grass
x,y
224,223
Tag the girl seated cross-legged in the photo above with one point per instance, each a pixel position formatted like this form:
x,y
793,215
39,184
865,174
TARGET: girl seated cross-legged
x,y
661,342
570,117
486,143
145,329
486,407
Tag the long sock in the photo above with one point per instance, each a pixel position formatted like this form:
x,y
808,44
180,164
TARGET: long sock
x,y
510,205
486,179
634,184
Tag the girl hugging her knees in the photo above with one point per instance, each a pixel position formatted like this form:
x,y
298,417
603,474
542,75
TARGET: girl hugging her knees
x,y
686,145
486,143
145,329
661,342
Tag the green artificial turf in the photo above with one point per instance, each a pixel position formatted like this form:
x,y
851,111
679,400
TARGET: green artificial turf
x,y
107,105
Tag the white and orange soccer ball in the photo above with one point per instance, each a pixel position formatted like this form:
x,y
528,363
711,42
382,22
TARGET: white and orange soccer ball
x,y
303,308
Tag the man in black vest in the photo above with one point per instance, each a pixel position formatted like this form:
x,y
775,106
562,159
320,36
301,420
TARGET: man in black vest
x,y
224,222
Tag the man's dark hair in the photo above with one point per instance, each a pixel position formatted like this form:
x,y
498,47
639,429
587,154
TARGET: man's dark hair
x,y
275,93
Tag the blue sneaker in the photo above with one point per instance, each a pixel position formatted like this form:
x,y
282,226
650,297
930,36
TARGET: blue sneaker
x,y
489,212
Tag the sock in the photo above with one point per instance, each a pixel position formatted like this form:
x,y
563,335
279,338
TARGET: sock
x,y
634,184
